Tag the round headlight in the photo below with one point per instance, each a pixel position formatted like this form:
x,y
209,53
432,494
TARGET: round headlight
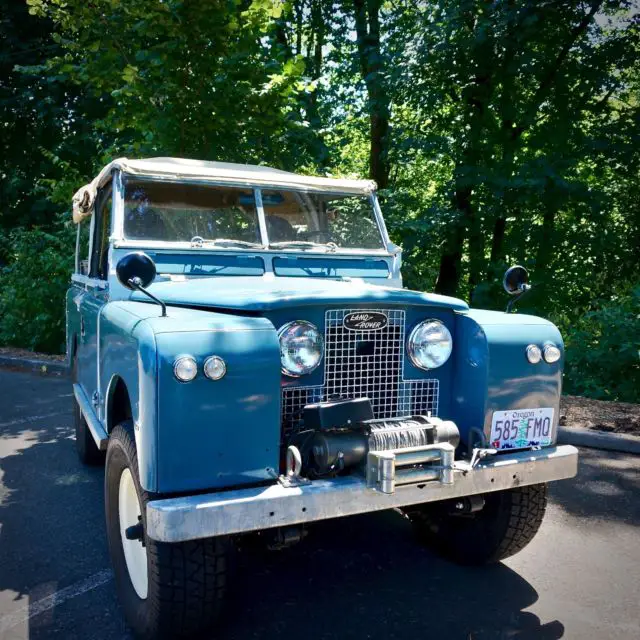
x,y
534,355
185,368
214,368
301,348
429,345
551,353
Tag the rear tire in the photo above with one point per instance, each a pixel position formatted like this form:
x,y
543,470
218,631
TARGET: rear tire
x,y
86,448
505,525
186,582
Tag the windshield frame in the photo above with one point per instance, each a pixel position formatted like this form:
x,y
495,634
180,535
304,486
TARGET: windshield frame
x,y
119,239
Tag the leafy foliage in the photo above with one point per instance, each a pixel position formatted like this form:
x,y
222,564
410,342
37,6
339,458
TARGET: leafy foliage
x,y
603,359
33,287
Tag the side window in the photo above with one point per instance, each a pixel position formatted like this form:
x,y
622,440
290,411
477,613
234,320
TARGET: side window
x,y
82,247
102,230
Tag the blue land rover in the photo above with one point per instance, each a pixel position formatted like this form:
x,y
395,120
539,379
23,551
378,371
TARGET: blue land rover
x,y
246,362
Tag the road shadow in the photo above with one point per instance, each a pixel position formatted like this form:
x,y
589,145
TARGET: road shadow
x,y
606,487
366,577
51,535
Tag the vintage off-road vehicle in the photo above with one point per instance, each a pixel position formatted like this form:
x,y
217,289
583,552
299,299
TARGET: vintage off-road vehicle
x,y
246,362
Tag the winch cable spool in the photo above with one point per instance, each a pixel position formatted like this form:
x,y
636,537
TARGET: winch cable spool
x,y
334,451
416,431
385,436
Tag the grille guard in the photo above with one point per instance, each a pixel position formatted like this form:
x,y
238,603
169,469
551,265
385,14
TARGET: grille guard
x,y
244,510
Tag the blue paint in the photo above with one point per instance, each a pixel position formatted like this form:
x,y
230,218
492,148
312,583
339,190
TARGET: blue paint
x,y
268,294
190,436
220,433
207,264
296,267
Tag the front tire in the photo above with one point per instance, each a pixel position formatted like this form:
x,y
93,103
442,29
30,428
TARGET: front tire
x,y
166,590
505,525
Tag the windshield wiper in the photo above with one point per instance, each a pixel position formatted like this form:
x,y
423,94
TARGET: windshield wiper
x,y
304,244
197,241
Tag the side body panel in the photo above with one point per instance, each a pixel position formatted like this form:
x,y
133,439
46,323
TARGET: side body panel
x,y
84,306
90,306
492,373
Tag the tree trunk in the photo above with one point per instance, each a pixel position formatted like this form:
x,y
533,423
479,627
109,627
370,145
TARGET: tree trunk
x,y
367,21
476,97
451,259
318,25
298,10
546,239
499,230
313,66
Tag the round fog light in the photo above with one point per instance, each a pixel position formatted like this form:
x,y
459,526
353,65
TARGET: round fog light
x,y
214,368
551,353
185,369
534,355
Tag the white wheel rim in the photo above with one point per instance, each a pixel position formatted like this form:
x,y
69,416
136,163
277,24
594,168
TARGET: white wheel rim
x,y
135,554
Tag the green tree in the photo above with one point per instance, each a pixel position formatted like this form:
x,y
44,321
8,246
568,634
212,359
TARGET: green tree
x,y
194,79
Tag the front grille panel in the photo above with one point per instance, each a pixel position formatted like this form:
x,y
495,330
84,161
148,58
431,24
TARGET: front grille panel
x,y
362,364
365,364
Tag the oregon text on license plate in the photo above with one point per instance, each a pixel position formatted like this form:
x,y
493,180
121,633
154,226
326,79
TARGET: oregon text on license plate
x,y
521,428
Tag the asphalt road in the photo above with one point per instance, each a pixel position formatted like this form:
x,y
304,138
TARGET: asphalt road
x,y
361,577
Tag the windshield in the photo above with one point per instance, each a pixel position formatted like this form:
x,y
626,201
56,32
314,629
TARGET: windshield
x,y
189,213
335,221
227,216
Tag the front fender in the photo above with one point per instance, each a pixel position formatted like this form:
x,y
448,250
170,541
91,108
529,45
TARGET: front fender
x,y
219,433
203,434
128,352
492,372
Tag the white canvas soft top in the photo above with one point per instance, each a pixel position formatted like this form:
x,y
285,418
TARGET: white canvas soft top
x,y
225,172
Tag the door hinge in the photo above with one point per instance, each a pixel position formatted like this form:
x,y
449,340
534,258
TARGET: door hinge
x,y
96,399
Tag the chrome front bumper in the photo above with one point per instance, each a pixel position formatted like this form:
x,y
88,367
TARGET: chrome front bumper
x,y
243,510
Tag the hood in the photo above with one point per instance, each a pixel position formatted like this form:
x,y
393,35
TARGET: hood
x,y
251,294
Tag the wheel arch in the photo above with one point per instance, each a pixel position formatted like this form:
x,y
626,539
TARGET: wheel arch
x,y
117,403
73,348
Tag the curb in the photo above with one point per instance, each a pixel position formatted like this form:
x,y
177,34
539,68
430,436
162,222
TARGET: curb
x,y
46,367
581,437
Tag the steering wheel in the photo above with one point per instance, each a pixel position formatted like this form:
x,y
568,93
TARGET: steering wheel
x,y
197,240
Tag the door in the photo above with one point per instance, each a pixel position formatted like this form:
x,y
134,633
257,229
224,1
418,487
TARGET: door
x,y
93,300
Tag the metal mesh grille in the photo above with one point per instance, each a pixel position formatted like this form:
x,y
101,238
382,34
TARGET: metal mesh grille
x,y
361,364
365,364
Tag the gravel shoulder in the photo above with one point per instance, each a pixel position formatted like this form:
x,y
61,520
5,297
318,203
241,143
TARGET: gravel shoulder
x,y
14,352
599,415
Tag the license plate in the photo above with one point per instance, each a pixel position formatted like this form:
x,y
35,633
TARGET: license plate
x,y
521,428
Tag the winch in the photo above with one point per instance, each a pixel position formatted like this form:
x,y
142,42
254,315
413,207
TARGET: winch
x,y
343,434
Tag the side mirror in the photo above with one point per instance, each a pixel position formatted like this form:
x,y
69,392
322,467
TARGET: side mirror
x,y
516,280
515,283
136,270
